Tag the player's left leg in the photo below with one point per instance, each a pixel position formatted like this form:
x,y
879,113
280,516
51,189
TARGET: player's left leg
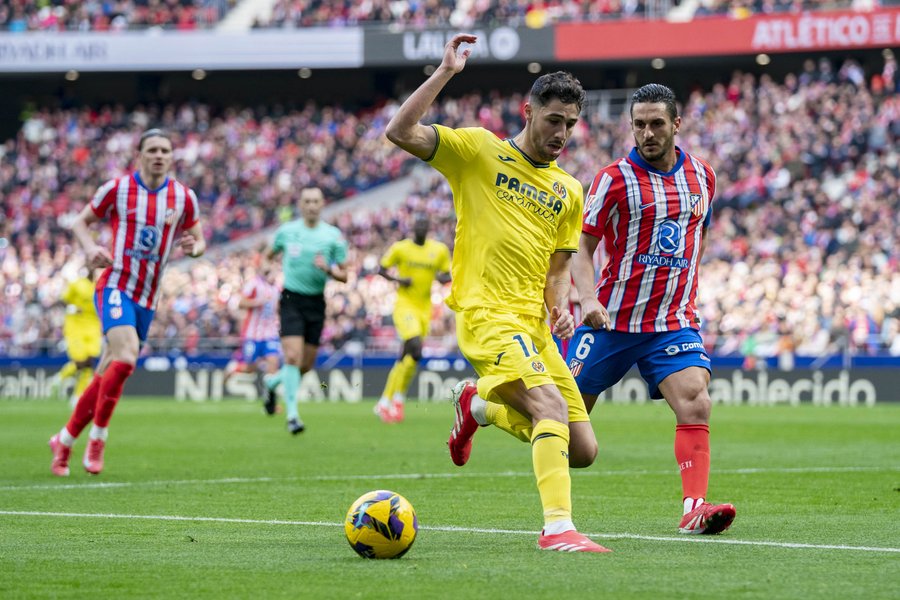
x,y
294,350
123,348
412,354
676,368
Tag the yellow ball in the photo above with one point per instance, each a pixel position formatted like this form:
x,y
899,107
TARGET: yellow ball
x,y
381,524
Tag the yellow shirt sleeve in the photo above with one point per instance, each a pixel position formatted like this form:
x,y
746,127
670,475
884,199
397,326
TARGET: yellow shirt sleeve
x,y
391,257
570,228
456,147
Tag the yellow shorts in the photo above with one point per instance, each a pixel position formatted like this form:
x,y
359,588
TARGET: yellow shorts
x,y
503,347
82,344
411,322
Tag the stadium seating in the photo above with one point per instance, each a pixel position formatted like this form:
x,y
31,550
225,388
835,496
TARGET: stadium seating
x,y
184,15
33,15
803,255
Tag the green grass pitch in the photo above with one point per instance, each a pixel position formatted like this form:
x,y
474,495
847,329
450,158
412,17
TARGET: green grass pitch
x,y
216,500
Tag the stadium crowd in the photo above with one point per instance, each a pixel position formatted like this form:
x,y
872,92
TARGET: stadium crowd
x,y
117,15
185,15
802,255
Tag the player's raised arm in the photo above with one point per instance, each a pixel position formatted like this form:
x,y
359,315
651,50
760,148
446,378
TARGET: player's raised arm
x,y
404,130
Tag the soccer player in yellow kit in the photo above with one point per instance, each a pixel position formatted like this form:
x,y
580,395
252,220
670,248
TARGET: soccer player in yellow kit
x,y
81,330
418,261
518,223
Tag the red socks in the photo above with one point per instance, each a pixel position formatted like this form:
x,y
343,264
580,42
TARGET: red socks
x,y
110,391
84,409
692,454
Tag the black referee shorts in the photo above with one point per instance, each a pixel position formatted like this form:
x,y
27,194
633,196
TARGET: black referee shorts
x,y
302,315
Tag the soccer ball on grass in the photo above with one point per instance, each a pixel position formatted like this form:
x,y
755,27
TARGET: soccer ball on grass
x,y
381,524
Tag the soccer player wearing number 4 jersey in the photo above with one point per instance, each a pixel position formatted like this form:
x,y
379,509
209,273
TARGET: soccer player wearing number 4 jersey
x,y
518,221
651,209
150,213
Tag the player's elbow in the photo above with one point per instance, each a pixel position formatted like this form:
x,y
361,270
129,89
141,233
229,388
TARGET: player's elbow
x,y
397,133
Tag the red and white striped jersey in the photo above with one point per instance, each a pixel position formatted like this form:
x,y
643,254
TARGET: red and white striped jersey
x,y
261,322
145,224
651,224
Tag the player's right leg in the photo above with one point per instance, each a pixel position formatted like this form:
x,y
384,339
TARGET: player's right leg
x,y
681,376
123,347
271,368
506,351
548,411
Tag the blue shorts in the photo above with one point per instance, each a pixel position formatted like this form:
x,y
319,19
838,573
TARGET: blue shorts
x,y
253,350
116,308
599,359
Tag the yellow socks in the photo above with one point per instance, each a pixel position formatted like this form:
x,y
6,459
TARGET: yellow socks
x,y
84,380
509,420
391,384
67,370
550,455
407,371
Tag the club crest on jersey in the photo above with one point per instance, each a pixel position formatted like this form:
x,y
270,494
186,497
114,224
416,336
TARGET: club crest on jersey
x,y
538,366
170,216
575,367
560,190
698,204
115,312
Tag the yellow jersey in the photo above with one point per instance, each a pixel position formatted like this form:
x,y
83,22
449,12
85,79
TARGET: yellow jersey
x,y
512,214
421,264
81,314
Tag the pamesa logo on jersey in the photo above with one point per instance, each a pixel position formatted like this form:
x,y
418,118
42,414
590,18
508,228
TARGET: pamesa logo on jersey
x,y
530,197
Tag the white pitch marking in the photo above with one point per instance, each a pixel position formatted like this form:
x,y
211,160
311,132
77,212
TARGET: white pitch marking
x,y
452,529
468,474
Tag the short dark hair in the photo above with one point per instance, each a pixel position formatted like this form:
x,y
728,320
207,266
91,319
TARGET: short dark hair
x,y
561,85
653,93
155,132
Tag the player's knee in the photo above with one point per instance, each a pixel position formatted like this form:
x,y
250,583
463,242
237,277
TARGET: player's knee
x,y
695,406
583,454
548,403
413,348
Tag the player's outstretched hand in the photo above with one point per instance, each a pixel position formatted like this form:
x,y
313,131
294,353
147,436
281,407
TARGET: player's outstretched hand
x,y
595,315
453,58
563,323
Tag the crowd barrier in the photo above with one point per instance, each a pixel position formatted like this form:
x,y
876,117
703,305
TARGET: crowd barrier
x,y
202,379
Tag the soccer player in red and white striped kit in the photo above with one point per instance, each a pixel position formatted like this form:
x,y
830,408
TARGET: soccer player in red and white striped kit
x,y
651,209
149,213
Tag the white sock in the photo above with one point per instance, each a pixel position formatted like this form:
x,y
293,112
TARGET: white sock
x,y
478,408
99,433
399,398
558,527
65,438
691,503
383,401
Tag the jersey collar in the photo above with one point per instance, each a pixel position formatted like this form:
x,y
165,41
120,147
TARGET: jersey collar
x,y
140,182
531,161
635,157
